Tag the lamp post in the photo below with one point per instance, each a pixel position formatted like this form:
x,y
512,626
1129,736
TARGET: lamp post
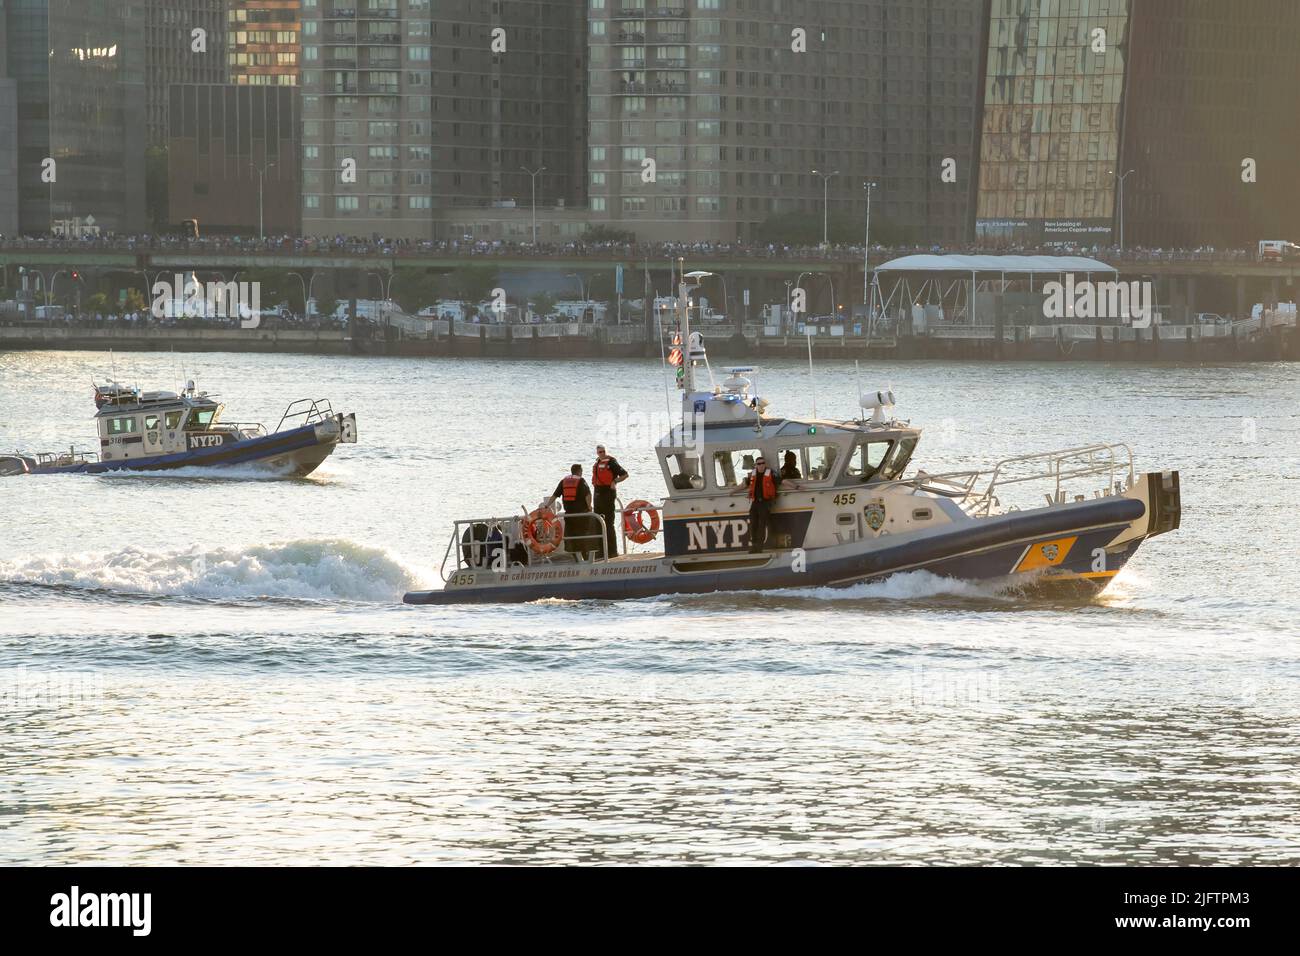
x,y
533,174
1120,179
826,185
866,245
582,289
306,290
261,172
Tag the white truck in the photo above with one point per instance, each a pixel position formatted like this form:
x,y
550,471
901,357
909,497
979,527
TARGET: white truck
x,y
1277,249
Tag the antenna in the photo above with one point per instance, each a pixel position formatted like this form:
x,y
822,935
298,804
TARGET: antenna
x,y
857,372
812,382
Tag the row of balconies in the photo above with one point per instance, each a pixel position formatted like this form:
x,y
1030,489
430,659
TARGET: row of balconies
x,y
656,87
365,39
660,39
649,13
350,13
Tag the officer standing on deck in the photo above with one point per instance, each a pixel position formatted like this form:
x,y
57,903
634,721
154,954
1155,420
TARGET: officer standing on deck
x,y
576,495
763,485
605,474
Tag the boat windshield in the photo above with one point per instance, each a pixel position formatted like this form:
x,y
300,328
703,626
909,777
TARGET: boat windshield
x,y
200,418
880,460
897,458
866,460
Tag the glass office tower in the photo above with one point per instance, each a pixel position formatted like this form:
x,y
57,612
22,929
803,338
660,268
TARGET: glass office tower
x,y
78,70
1053,113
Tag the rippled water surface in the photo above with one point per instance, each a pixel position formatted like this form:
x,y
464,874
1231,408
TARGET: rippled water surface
x,y
219,670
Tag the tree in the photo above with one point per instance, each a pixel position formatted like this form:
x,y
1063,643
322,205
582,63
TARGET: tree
x,y
414,288
98,303
543,303
134,301
469,283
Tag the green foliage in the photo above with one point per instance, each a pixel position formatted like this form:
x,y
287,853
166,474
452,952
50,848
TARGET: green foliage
x,y
135,301
469,283
326,306
543,303
414,288
98,303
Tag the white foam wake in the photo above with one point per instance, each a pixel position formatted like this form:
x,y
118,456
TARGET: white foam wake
x,y
324,570
905,586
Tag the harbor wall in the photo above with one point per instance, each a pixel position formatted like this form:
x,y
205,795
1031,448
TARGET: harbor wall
x,y
1017,343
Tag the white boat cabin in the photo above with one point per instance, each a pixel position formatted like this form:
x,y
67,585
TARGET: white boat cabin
x,y
834,474
135,424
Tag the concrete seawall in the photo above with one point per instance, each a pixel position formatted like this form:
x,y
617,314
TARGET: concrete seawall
x,y
1101,344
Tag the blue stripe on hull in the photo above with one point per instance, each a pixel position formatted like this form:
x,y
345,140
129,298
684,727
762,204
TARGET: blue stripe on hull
x,y
988,549
235,453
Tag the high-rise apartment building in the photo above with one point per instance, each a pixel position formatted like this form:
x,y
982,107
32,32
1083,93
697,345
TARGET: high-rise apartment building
x,y
411,107
737,102
263,42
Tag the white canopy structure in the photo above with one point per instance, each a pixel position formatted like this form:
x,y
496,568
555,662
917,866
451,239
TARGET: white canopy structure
x,y
1018,265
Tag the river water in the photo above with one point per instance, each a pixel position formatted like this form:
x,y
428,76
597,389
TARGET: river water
x,y
199,670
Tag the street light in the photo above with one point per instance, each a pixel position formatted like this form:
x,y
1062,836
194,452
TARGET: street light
x,y
1121,179
533,174
826,185
261,172
582,289
866,245
306,290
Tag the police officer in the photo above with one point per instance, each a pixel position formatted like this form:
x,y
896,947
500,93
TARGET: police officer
x,y
576,495
605,474
763,485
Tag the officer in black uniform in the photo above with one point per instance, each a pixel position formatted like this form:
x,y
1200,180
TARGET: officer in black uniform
x,y
574,491
605,474
764,483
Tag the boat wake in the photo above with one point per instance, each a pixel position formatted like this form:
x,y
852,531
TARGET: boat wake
x,y
208,473
308,570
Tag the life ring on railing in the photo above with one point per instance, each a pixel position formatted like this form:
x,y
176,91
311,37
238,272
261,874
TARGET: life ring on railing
x,y
543,531
635,523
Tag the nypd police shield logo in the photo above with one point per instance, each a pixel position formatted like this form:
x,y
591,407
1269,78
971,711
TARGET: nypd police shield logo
x,y
875,515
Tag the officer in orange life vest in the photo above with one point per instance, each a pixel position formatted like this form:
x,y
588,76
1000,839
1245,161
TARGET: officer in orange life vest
x,y
605,474
764,483
576,495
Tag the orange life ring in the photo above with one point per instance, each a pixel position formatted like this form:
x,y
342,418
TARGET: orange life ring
x,y
634,524
543,531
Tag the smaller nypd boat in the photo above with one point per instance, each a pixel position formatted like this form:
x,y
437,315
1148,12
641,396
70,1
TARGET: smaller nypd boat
x,y
158,431
1058,521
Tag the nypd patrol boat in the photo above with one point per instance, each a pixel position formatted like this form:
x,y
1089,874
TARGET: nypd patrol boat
x,y
152,431
854,514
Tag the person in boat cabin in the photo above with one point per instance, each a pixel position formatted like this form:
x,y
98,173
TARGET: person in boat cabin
x,y
790,468
764,485
574,491
605,474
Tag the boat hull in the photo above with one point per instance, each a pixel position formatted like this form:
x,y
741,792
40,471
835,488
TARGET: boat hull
x,y
1077,548
291,453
